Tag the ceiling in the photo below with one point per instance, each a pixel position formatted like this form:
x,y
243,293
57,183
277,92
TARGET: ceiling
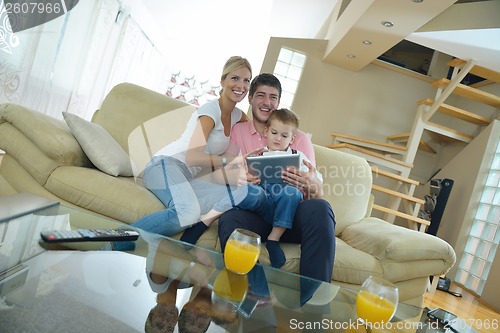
x,y
466,29
359,35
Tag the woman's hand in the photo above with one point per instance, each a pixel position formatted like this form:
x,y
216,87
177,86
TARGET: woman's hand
x,y
306,181
255,152
240,163
247,177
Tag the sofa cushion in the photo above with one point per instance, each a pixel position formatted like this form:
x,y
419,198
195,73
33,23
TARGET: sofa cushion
x,y
20,180
48,134
352,265
24,151
134,106
388,242
117,197
403,253
5,187
100,147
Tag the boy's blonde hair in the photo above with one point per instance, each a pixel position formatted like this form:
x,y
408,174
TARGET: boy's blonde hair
x,y
285,116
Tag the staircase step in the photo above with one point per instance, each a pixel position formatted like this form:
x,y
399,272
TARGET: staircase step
x,y
395,176
464,115
470,93
402,215
446,134
453,111
372,144
480,71
374,157
404,138
397,194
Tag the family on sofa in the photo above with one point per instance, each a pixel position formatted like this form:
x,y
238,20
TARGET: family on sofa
x,y
88,165
172,176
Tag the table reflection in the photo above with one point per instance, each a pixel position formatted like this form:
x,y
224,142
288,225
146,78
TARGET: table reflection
x,y
194,289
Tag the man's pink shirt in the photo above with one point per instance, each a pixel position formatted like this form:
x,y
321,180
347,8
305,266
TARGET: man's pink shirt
x,y
245,138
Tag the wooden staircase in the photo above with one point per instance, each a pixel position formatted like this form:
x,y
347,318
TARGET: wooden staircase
x,y
414,222
403,138
399,152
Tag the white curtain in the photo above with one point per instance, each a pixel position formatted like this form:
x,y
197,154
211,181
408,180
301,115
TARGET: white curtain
x,y
138,61
71,63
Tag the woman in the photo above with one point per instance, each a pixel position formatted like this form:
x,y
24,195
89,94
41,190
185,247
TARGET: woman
x,y
170,175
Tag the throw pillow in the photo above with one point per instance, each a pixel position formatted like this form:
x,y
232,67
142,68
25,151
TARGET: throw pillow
x,y
99,146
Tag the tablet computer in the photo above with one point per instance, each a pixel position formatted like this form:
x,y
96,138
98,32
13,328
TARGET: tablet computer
x,y
269,167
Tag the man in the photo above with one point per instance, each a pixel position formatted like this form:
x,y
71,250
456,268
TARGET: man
x,y
314,222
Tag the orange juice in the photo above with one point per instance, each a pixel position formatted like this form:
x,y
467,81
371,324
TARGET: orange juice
x,y
230,285
240,257
373,308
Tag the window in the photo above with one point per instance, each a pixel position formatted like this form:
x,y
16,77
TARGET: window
x,y
484,236
288,70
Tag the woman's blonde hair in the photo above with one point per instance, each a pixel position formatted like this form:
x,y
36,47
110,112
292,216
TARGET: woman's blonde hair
x,y
234,63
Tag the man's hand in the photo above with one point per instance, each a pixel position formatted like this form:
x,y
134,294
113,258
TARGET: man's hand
x,y
306,181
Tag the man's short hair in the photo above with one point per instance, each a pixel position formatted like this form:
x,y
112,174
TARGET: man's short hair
x,y
285,116
265,79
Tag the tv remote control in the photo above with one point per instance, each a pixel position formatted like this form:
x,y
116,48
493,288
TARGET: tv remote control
x,y
84,235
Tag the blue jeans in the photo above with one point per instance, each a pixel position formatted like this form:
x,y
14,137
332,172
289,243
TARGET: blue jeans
x,y
275,203
185,198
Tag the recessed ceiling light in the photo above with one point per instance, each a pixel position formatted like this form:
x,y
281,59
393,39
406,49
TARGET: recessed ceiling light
x,y
367,42
351,56
387,24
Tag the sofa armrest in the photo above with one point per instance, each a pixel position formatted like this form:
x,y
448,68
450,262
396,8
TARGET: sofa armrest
x,y
48,134
388,242
369,209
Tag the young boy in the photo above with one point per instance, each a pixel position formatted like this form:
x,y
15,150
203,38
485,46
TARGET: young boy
x,y
276,203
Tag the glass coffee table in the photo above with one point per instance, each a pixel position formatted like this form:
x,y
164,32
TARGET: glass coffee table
x,y
162,285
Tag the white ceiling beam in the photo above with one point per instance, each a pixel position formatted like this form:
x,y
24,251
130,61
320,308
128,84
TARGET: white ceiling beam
x,y
340,26
362,20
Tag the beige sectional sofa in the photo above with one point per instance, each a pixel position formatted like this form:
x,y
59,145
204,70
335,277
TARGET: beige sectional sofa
x,y
43,157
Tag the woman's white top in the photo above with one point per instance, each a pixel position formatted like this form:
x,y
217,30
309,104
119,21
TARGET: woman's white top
x,y
217,142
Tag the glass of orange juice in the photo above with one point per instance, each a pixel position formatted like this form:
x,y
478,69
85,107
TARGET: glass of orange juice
x,y
376,301
242,251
